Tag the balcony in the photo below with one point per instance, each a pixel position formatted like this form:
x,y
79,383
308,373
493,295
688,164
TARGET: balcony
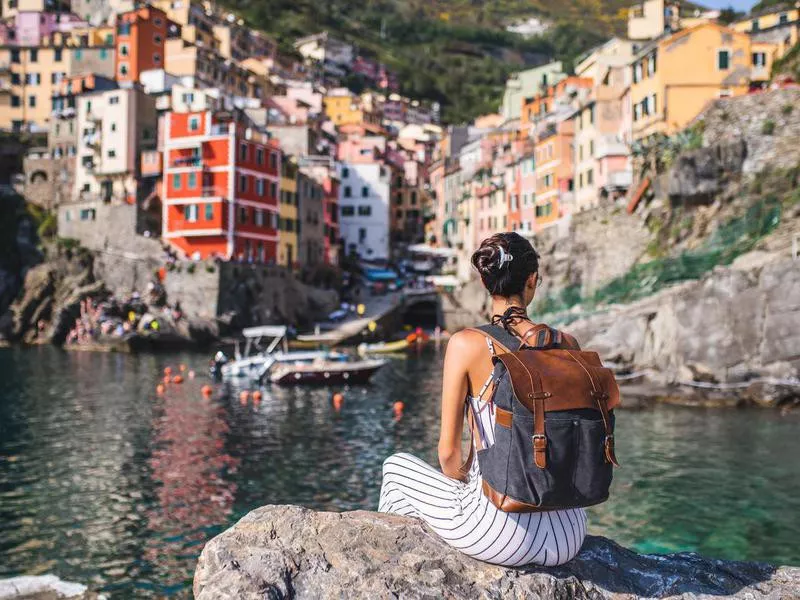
x,y
215,191
94,117
619,180
220,129
186,161
92,140
610,145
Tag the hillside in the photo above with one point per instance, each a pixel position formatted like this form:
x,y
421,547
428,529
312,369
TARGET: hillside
x,y
456,52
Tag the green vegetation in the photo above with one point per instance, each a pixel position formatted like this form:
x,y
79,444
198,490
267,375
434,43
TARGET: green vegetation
x,y
455,52
768,127
733,238
788,64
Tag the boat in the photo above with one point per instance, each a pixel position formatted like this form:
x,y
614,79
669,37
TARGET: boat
x,y
256,361
384,347
326,372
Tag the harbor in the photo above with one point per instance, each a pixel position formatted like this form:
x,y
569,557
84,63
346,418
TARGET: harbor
x,y
119,487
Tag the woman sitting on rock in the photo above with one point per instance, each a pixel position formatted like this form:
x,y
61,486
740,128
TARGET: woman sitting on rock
x,y
455,503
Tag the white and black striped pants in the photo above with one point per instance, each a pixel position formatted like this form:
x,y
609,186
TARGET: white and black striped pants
x,y
464,518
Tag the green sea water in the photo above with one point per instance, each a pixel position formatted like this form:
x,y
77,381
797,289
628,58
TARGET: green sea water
x,y
103,481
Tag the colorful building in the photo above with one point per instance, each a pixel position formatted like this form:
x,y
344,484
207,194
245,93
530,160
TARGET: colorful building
x,y
31,76
221,184
288,214
675,77
140,42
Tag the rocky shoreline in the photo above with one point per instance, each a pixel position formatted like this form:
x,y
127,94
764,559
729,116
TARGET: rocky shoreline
x,y
286,552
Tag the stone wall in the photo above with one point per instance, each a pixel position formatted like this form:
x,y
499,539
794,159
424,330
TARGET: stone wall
x,y
737,322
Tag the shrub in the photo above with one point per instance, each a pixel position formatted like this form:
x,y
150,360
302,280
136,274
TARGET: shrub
x,y
787,109
768,127
190,268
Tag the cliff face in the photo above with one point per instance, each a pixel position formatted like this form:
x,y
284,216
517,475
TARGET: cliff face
x,y
282,552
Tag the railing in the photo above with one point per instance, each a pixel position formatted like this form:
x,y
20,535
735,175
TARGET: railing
x,y
220,129
187,161
214,191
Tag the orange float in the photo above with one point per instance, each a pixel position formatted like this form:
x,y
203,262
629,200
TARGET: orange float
x,y
167,370
398,409
257,396
166,378
244,396
206,390
338,401
177,379
160,389
182,367
191,374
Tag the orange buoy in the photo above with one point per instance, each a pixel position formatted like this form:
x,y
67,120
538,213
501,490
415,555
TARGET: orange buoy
x,y
191,374
177,379
206,390
257,396
167,370
160,389
182,367
398,408
166,378
244,396
338,401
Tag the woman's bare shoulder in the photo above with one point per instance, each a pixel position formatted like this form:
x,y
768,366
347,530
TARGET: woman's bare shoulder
x,y
467,341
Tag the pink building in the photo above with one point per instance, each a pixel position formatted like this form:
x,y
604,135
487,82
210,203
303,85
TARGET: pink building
x,y
29,28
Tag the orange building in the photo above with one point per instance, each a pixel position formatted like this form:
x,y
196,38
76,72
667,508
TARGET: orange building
x,y
554,166
141,38
220,187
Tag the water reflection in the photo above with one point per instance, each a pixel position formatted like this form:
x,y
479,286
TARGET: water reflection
x,y
104,481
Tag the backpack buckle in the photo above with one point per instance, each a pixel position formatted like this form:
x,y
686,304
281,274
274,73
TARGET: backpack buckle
x,y
539,450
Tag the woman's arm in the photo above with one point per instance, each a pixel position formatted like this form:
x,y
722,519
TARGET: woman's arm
x,y
461,351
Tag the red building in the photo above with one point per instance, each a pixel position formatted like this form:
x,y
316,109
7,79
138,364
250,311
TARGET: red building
x,y
140,42
220,187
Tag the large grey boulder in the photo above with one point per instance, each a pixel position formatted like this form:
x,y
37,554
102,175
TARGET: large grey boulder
x,y
281,552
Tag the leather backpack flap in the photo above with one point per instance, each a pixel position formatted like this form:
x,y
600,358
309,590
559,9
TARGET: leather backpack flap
x,y
560,376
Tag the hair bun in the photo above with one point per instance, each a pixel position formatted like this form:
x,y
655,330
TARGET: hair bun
x,y
486,259
504,262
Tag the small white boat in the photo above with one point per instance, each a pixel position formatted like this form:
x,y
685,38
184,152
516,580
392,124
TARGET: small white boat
x,y
256,361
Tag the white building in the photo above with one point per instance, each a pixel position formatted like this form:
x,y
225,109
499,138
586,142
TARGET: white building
x,y
364,193
326,50
114,127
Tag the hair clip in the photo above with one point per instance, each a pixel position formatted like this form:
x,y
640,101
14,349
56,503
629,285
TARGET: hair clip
x,y
504,257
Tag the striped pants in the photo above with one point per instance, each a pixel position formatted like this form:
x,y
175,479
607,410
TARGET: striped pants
x,y
464,518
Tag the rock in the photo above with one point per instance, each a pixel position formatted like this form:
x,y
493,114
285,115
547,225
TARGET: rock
x,y
281,552
44,587
698,174
39,284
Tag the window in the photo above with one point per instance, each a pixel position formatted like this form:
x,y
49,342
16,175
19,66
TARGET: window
x,y
413,198
591,148
123,50
759,59
723,60
651,66
187,98
345,173
243,215
637,72
32,101
34,55
103,54
192,181
348,211
260,217
157,39
243,151
194,123
190,213
124,29
273,190
112,153
176,181
754,25
242,183
364,210
57,55
156,58
15,56
78,54
273,160
653,105
399,214
123,69
158,22
348,193
580,152
589,177
209,212
364,192
260,187
783,19
15,79
260,156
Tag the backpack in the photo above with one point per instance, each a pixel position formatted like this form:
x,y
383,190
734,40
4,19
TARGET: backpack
x,y
554,423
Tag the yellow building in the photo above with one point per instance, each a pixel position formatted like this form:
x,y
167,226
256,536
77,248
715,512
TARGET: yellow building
x,y
343,108
675,77
30,75
288,223
778,25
